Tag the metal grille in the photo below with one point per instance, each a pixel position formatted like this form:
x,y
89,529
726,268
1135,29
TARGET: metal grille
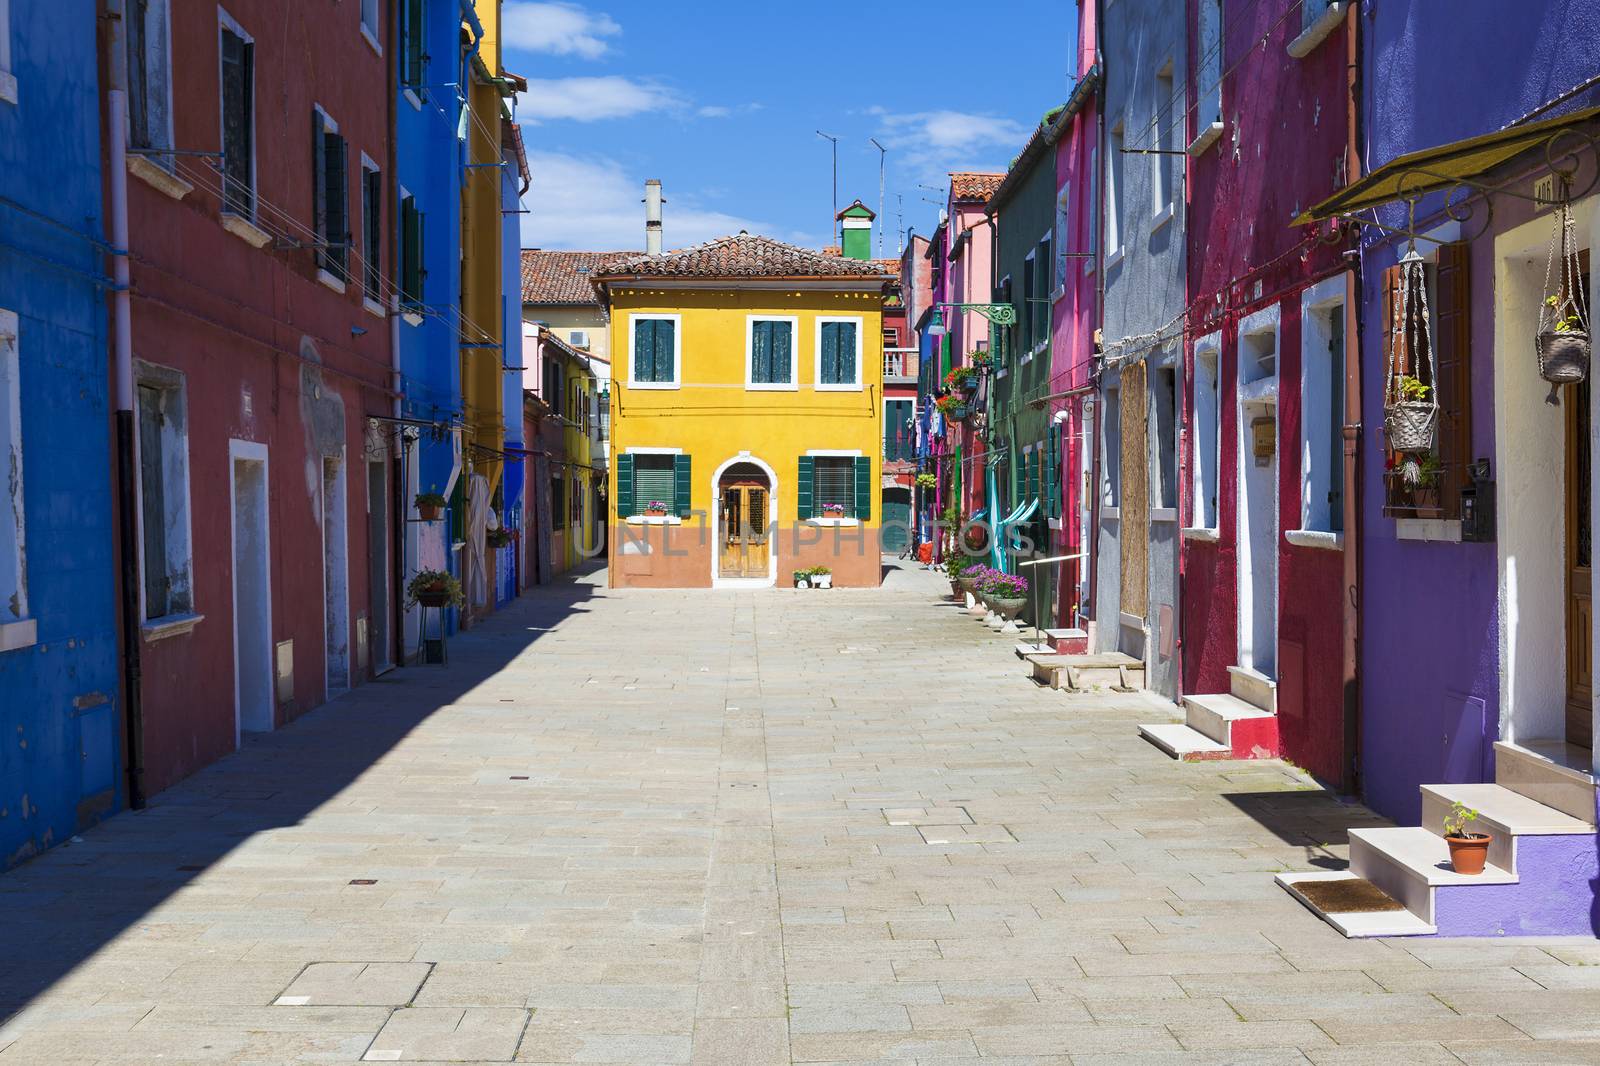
x,y
652,480
836,483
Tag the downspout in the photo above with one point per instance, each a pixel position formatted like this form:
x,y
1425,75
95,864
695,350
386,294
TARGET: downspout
x,y
122,374
1091,609
1354,318
397,505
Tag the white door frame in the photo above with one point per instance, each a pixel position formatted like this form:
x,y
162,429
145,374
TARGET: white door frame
x,y
718,581
342,494
249,451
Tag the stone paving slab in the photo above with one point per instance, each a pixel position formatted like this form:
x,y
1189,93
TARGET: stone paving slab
x,y
740,829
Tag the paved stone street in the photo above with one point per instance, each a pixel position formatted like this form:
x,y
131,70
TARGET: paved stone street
x,y
754,827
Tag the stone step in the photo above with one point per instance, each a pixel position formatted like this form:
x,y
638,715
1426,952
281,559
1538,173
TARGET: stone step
x,y
1079,672
1502,813
1550,772
1214,715
1409,862
1068,641
1353,905
1183,743
1252,686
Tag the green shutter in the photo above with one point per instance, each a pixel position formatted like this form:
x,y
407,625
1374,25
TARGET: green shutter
x,y
319,182
863,488
680,484
625,486
1052,489
804,492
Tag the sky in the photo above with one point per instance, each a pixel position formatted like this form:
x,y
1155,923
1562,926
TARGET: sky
x,y
722,101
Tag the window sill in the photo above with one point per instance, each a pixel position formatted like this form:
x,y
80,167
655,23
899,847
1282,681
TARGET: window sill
x,y
653,520
1201,534
1318,31
1089,265
8,87
1114,258
1163,514
1054,524
171,626
1162,217
657,385
1315,538
158,177
412,98
20,634
1441,530
371,39
833,521
838,388
1111,514
374,307
1208,136
1059,294
330,280
246,230
411,318
757,386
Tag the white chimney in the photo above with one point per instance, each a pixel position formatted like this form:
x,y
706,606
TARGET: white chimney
x,y
652,216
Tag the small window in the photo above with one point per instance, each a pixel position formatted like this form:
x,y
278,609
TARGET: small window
x,y
652,482
1208,67
891,337
899,430
656,348
8,77
13,553
369,21
838,353
1039,308
412,38
1111,450
371,230
163,449
558,502
1063,234
1207,433
238,121
412,273
1322,420
1026,334
331,195
1115,230
149,78
551,393
1164,398
835,486
769,343
1165,124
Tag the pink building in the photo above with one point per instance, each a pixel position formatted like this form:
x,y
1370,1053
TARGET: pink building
x,y
968,278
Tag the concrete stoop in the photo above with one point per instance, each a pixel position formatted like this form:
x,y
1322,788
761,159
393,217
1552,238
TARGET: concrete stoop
x,y
1083,673
1540,878
1241,724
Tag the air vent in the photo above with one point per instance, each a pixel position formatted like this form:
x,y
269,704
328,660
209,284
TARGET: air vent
x,y
578,338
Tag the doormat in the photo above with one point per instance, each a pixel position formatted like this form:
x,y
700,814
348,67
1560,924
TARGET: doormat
x,y
1352,896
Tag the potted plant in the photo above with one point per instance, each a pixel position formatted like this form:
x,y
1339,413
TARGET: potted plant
x,y
953,408
1006,593
1467,850
430,505
498,538
821,577
833,510
962,381
802,579
435,588
655,509
1563,342
927,481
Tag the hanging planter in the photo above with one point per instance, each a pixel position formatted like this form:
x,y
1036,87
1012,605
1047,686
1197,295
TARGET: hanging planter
x,y
1410,402
1563,341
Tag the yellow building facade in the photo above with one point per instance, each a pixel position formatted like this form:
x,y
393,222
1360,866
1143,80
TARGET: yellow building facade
x,y
746,416
482,284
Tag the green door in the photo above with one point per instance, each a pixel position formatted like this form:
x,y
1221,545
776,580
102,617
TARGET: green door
x,y
896,519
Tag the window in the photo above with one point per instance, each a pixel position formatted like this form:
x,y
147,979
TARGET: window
x,y
1207,431
369,23
149,44
1063,236
558,502
575,488
412,273
838,353
899,430
331,196
1111,450
1092,227
1167,120
1164,398
653,476
1322,418
371,230
238,120
1052,475
16,628
163,450
412,54
1026,333
1311,11
835,485
652,481
1208,67
551,392
8,78
1115,231
891,337
769,353
656,348
1039,307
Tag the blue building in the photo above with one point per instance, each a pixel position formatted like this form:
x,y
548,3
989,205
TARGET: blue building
x,y
513,183
430,157
60,697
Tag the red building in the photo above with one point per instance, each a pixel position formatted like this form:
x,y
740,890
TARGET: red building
x,y
899,409
259,201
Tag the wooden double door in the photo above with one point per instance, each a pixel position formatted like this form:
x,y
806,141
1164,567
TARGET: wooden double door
x,y
744,541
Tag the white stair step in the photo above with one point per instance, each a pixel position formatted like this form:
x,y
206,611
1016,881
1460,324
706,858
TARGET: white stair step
x,y
1408,862
1354,924
1252,686
1026,650
1500,809
1214,714
1181,742
1066,634
1550,772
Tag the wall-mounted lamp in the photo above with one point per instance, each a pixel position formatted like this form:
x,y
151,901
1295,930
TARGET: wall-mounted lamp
x,y
936,327
358,331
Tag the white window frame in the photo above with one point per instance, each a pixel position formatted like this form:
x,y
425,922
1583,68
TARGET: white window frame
x,y
1110,488
373,302
860,346
17,628
1208,76
1164,168
176,492
8,74
833,453
1116,217
1319,303
793,384
677,350
1206,435
1025,316
1063,239
410,318
369,30
227,22
324,275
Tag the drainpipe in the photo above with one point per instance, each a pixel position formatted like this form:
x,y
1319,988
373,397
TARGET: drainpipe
x,y
397,466
1354,317
122,374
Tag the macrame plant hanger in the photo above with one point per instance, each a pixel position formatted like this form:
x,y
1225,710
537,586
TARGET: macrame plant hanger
x,y
1563,340
1411,414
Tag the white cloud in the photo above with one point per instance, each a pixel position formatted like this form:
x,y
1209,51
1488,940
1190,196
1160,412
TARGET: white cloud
x,y
557,29
592,99
724,111
930,144
596,204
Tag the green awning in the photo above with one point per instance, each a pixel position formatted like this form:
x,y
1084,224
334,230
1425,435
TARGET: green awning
x,y
1438,168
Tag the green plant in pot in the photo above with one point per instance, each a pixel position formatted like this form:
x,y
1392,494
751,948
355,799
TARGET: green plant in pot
x,y
498,538
1468,851
435,588
821,577
430,505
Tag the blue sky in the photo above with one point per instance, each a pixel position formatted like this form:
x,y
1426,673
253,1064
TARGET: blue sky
x,y
721,101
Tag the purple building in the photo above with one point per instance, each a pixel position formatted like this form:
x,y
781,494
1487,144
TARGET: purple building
x,y
1476,642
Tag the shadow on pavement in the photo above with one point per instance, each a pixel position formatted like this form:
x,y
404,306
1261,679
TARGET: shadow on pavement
x,y
1316,820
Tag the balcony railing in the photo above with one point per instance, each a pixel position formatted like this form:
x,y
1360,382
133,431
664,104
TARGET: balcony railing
x,y
900,365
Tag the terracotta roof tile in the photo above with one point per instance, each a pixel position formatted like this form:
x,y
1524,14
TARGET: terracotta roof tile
x,y
744,255
563,277
972,186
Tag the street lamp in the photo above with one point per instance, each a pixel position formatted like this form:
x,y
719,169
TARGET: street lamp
x,y
833,222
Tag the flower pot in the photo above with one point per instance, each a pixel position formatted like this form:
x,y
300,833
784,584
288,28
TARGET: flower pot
x,y
653,512
960,412
802,582
434,598
1563,356
822,581
1008,607
955,589
429,512
1410,425
1468,852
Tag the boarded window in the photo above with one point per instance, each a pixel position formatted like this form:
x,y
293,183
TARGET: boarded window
x,y
238,124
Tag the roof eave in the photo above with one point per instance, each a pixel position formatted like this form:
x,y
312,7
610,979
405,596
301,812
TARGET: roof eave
x,y
1044,137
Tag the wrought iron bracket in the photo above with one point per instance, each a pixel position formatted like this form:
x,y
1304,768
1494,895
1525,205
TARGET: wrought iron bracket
x,y
999,314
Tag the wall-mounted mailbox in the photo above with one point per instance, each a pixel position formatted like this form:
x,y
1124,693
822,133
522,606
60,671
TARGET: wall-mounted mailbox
x,y
1264,434
1477,504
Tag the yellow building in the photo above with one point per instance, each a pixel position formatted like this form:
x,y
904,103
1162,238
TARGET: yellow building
x,y
747,399
581,538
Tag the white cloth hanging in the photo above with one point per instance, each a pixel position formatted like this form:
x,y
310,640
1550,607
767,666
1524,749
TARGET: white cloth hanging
x,y
477,528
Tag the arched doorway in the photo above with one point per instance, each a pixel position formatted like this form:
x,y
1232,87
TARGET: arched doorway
x,y
744,526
